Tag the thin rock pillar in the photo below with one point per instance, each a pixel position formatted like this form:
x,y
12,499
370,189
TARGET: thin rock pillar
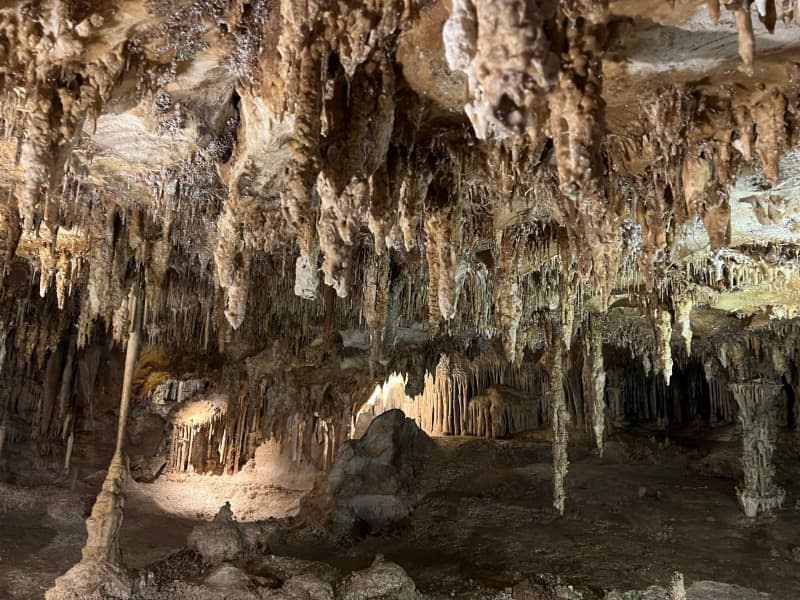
x,y
560,416
105,522
757,402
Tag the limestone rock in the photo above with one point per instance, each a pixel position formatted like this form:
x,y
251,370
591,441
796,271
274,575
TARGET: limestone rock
x,y
219,540
381,581
92,580
306,587
371,482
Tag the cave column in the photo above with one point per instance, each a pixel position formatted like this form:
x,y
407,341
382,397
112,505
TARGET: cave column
x,y
757,402
560,416
105,522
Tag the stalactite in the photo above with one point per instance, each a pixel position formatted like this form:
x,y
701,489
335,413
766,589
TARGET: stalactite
x,y
68,454
744,28
303,169
413,190
594,379
768,115
662,324
100,259
9,234
63,278
67,375
559,418
683,313
507,295
376,298
442,262
504,49
577,122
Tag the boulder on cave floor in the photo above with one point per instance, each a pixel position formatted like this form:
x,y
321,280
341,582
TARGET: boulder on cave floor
x,y
284,568
381,581
218,540
92,579
371,484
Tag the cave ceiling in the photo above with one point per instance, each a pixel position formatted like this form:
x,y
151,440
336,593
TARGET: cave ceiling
x,y
500,170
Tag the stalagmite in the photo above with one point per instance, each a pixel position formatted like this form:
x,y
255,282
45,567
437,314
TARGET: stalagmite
x,y
68,455
677,589
757,406
744,28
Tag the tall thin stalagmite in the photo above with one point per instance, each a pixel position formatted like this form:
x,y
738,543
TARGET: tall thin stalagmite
x,y
105,522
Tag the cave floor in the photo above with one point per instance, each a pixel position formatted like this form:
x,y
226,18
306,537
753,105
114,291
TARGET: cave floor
x,y
632,519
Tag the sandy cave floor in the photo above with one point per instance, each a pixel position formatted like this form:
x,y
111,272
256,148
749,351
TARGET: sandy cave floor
x,y
633,518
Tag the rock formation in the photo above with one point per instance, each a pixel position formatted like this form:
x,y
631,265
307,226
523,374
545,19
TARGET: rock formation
x,y
496,216
757,407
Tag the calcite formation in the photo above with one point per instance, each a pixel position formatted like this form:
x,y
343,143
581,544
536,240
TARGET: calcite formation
x,y
757,415
559,418
571,214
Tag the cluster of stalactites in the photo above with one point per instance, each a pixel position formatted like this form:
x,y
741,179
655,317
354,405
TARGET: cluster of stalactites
x,y
530,84
359,123
336,109
461,397
47,57
519,83
308,422
343,123
192,446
